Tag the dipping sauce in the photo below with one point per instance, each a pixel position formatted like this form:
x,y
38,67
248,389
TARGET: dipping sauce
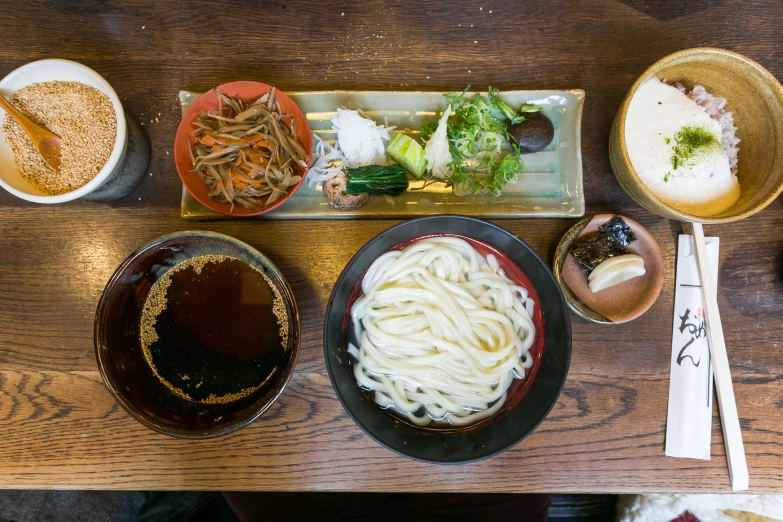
x,y
676,149
214,329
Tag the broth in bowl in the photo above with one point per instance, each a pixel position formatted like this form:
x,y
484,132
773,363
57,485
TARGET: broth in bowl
x,y
214,329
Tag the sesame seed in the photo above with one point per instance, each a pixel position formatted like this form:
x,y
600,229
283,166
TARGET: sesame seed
x,y
81,115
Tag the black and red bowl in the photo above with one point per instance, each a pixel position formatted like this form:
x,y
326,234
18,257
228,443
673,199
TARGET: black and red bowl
x,y
529,401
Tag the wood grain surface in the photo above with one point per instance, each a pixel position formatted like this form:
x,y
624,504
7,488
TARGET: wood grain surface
x,y
59,426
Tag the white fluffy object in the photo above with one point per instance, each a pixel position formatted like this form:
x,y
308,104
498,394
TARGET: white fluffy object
x,y
707,508
437,152
361,141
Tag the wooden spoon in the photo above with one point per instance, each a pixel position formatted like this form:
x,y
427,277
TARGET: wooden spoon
x,y
46,143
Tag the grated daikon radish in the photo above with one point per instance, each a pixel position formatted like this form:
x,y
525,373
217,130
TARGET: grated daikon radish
x,y
361,141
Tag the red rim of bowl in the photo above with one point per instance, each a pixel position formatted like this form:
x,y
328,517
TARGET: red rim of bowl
x,y
248,91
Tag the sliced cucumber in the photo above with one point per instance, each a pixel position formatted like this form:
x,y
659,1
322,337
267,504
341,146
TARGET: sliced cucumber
x,y
407,152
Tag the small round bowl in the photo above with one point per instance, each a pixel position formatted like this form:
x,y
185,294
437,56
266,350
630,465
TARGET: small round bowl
x,y
618,304
66,71
522,412
756,99
248,92
121,360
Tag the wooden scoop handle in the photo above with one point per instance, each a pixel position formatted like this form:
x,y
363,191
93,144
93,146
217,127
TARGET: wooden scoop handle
x,y
46,143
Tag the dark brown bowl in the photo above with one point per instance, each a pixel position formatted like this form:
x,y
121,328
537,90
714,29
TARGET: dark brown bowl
x,y
121,360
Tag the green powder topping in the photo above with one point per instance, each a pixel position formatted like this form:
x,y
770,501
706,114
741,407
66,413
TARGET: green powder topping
x,y
693,141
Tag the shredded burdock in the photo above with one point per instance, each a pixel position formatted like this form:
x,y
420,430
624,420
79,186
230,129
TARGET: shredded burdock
x,y
248,153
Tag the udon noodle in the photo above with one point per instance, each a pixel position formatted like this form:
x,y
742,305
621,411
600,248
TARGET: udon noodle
x,y
442,332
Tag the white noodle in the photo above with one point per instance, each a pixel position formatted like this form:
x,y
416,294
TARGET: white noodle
x,y
443,329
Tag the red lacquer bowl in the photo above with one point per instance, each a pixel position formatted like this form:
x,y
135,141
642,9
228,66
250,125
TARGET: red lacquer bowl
x,y
248,92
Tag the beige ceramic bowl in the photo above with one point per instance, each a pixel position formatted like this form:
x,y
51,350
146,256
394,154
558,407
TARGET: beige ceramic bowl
x,y
756,99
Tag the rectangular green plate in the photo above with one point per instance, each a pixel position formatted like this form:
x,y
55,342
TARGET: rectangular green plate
x,y
551,184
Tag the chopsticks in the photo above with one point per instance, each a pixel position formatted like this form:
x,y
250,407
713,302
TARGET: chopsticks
x,y
732,435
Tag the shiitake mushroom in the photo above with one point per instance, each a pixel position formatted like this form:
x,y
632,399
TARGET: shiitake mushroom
x,y
534,134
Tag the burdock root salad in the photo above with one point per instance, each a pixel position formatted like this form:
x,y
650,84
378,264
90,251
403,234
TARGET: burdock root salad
x,y
683,147
81,115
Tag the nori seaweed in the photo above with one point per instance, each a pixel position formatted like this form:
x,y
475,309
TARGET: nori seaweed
x,y
619,231
613,237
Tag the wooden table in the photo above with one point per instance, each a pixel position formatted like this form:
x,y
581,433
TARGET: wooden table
x,y
60,428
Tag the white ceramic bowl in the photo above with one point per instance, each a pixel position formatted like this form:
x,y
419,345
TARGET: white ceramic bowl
x,y
68,71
